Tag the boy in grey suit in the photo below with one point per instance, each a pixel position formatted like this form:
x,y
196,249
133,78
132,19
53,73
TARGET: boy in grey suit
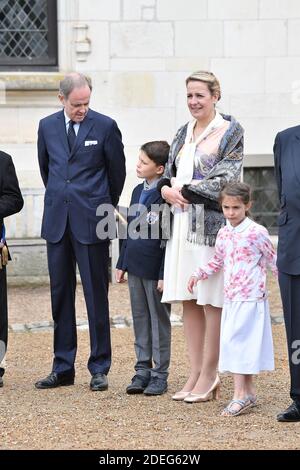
x,y
143,259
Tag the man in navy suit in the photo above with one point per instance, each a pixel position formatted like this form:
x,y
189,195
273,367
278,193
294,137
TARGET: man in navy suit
x,y
82,165
287,169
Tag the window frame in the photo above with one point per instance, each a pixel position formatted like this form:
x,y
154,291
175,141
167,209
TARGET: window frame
x,y
50,63
257,214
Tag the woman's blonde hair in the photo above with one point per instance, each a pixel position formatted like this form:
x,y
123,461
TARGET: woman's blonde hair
x,y
209,78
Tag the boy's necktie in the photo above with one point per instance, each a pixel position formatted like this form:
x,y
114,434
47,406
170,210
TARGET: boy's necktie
x,y
71,135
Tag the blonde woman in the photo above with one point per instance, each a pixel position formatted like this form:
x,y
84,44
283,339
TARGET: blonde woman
x,y
206,153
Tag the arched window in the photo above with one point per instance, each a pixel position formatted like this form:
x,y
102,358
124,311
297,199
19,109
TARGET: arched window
x,y
28,34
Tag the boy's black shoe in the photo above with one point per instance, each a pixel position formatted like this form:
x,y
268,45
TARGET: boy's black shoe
x,y
138,384
1,382
156,386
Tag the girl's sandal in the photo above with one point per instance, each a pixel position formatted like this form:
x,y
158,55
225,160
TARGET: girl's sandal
x,y
253,399
243,405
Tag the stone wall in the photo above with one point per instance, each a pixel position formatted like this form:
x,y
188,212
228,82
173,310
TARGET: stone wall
x,y
138,53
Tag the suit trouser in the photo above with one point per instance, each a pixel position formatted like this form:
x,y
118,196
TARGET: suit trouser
x,y
152,327
92,261
3,317
290,294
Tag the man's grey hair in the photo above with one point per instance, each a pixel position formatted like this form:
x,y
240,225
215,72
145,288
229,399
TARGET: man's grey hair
x,y
73,80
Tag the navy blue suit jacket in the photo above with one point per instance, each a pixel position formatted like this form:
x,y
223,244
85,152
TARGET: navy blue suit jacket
x,y
287,170
78,182
144,258
11,200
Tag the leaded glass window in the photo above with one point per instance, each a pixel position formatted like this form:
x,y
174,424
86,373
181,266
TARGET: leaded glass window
x,y
265,206
28,33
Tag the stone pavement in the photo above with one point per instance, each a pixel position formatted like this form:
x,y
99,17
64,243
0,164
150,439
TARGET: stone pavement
x,y
30,308
117,321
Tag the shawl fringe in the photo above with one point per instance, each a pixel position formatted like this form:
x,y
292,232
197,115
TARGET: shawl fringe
x,y
200,239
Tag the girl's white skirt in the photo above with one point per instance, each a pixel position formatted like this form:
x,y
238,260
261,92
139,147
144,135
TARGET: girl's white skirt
x,y
181,260
246,338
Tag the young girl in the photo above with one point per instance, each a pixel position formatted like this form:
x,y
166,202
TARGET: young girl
x,y
243,249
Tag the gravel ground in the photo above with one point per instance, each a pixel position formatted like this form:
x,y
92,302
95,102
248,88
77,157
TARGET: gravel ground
x,y
76,418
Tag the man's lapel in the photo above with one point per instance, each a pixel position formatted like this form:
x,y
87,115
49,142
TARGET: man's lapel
x,y
62,131
296,153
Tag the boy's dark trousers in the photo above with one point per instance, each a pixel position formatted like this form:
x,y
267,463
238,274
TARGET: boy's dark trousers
x,y
152,328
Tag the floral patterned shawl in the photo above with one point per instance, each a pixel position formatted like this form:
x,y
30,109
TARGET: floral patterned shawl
x,y
207,191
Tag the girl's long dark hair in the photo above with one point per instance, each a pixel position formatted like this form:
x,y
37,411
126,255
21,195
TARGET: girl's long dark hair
x,y
240,190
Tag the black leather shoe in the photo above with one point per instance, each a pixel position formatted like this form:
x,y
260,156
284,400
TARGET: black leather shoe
x,y
138,384
156,386
99,382
1,382
54,380
291,414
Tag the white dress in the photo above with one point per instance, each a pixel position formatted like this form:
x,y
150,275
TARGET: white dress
x,y
244,252
183,257
246,338
181,260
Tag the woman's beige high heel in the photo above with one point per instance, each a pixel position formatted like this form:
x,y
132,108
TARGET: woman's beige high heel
x,y
180,396
212,394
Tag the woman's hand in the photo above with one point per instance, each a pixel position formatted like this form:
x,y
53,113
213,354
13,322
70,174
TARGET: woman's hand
x,y
192,283
173,196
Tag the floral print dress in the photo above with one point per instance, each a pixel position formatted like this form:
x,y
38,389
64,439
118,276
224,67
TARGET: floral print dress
x,y
244,252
